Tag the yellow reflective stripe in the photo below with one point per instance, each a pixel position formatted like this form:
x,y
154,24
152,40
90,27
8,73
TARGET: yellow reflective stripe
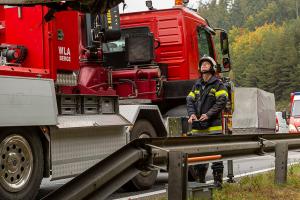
x,y
197,91
192,94
213,90
210,129
221,92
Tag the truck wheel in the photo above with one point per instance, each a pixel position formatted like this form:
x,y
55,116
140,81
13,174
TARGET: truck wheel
x,y
144,180
21,164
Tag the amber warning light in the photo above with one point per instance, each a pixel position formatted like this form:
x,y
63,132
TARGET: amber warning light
x,y
178,2
181,2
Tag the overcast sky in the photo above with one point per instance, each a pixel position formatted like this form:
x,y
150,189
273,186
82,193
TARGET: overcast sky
x,y
139,5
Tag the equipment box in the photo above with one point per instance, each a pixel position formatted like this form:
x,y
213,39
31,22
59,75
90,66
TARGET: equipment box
x,y
197,191
108,106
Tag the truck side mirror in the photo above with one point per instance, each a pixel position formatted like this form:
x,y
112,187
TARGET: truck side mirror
x,y
225,51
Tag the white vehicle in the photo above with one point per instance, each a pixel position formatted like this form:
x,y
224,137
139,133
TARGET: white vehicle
x,y
281,124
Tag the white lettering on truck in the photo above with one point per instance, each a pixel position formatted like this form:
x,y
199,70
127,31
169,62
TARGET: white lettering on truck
x,y
64,54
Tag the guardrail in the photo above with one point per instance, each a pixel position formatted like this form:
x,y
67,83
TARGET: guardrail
x,y
108,175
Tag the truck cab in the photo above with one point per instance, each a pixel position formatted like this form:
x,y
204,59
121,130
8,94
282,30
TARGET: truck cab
x,y
183,37
294,120
281,123
159,52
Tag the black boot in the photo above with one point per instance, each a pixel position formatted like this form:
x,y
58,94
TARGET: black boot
x,y
197,173
202,174
218,178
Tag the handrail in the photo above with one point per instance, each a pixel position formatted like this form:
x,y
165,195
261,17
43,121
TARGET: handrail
x,y
204,158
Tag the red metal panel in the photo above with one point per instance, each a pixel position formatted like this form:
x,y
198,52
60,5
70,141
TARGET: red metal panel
x,y
93,76
192,46
93,79
27,30
125,90
172,38
24,72
165,26
66,34
176,31
1,13
51,45
25,26
146,89
2,25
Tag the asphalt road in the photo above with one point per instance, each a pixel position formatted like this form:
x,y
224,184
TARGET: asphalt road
x,y
241,167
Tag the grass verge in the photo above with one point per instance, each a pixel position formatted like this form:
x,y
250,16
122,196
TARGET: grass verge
x,y
262,187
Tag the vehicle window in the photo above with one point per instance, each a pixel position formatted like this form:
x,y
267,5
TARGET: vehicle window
x,y
296,108
115,46
204,43
119,45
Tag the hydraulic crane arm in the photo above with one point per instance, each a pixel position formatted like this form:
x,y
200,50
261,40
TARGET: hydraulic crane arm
x,y
93,6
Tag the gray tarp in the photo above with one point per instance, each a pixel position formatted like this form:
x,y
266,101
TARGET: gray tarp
x,y
254,109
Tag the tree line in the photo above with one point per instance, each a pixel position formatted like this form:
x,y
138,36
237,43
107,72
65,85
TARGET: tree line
x,y
264,42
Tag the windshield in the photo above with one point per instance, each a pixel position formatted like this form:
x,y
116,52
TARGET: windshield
x,y
296,108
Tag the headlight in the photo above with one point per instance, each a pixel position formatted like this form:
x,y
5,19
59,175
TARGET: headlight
x,y
292,128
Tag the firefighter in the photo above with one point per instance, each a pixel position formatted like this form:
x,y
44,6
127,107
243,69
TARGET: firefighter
x,y
205,103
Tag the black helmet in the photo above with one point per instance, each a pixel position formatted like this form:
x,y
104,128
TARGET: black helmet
x,y
209,59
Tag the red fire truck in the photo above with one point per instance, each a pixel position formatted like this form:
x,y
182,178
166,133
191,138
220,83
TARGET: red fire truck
x,y
294,118
62,74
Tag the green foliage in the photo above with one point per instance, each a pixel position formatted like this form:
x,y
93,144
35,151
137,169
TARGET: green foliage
x,y
267,58
265,43
248,14
283,105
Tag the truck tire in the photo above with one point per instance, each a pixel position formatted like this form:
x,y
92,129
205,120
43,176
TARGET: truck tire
x,y
21,164
146,179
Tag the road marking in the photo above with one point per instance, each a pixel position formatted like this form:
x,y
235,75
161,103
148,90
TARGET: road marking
x,y
143,195
259,171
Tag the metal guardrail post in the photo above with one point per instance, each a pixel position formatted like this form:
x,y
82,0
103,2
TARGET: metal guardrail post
x,y
281,158
230,174
177,181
